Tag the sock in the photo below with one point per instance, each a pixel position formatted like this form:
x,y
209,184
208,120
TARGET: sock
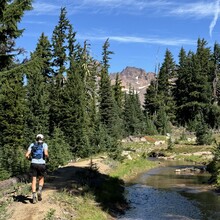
x,y
40,188
34,194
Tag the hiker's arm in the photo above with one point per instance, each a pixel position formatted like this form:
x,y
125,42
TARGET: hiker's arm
x,y
27,155
46,153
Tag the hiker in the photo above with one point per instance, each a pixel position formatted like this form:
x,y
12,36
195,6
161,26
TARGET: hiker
x,y
38,154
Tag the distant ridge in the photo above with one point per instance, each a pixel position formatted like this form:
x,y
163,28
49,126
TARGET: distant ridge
x,y
136,78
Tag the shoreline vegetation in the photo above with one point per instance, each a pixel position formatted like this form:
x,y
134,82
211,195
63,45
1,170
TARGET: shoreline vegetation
x,y
99,194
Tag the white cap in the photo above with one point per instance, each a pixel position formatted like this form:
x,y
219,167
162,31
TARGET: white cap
x,y
40,138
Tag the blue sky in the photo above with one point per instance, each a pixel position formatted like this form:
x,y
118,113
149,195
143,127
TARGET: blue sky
x,y
139,31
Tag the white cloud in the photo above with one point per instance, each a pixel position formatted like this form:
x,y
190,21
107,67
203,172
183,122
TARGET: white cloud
x,y
135,3
34,22
128,6
216,15
175,8
41,8
198,10
132,39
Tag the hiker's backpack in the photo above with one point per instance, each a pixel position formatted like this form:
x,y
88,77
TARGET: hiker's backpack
x,y
37,151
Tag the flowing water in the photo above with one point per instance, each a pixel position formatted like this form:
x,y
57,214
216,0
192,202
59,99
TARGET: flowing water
x,y
164,194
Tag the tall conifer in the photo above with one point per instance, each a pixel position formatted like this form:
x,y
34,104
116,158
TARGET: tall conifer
x,y
75,123
12,117
133,115
12,92
11,13
60,46
166,77
38,91
106,106
109,128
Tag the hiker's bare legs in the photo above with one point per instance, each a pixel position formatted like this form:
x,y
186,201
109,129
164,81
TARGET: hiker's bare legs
x,y
39,192
41,181
33,186
34,183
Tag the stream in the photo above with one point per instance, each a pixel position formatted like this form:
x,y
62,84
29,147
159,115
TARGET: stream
x,y
165,194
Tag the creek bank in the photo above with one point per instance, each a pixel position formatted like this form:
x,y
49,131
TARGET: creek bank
x,y
167,155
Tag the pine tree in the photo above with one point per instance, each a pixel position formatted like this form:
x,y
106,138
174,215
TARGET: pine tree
x,y
75,123
162,122
60,153
91,69
216,73
194,93
151,100
133,115
12,117
166,84
214,115
11,13
109,119
118,94
139,114
150,127
37,120
182,84
12,91
167,71
203,133
127,115
214,166
43,50
106,106
200,91
60,46
186,101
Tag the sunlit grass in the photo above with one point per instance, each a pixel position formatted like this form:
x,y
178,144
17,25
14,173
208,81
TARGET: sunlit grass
x,y
181,148
80,207
130,168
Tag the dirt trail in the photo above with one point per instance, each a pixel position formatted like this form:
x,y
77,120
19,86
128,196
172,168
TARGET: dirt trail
x,y
23,209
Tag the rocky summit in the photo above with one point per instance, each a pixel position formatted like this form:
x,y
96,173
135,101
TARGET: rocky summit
x,y
135,78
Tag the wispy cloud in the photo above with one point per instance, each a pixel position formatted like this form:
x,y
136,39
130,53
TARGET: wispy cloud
x,y
97,6
34,22
139,4
198,10
165,7
133,39
216,15
43,8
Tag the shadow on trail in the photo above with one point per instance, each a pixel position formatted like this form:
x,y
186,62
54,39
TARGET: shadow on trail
x,y
22,198
108,191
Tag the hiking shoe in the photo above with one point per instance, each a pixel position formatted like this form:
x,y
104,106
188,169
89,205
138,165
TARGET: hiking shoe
x,y
34,200
39,195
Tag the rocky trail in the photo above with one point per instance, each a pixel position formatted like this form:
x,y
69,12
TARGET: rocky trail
x,y
22,208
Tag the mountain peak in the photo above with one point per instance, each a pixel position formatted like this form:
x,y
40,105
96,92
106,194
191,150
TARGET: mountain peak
x,y
136,78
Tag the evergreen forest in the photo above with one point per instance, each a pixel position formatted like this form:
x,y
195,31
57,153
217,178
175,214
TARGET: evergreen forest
x,y
64,93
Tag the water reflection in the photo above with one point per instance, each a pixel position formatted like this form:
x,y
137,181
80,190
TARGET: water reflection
x,y
163,193
152,204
